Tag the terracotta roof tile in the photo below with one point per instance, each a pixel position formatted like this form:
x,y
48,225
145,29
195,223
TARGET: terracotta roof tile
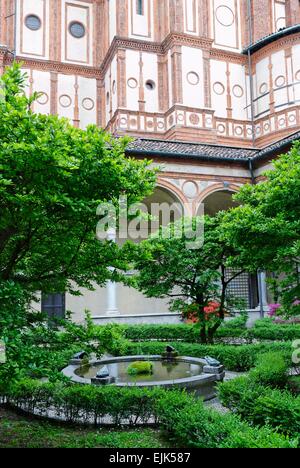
x,y
201,151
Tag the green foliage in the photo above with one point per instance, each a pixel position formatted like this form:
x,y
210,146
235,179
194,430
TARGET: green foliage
x,y
237,323
197,427
52,179
140,368
269,215
21,431
186,333
183,417
294,384
268,330
183,332
190,276
234,358
36,349
261,405
110,339
271,370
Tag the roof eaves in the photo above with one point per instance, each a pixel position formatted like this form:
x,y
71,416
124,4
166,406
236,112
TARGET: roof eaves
x,y
271,38
187,156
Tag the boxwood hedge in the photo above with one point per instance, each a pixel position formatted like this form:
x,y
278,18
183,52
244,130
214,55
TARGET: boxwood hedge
x,y
182,417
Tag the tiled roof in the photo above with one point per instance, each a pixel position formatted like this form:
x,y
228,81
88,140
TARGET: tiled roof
x,y
165,148
189,150
271,38
279,145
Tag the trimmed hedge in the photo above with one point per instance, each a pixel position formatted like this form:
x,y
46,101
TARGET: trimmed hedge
x,y
261,405
268,330
264,329
186,333
271,370
184,418
234,358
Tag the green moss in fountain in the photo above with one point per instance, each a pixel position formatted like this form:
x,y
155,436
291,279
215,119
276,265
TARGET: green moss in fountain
x,y
140,368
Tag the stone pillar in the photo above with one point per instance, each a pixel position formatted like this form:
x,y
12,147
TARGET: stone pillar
x,y
176,60
163,83
292,12
176,16
111,287
207,79
262,292
121,86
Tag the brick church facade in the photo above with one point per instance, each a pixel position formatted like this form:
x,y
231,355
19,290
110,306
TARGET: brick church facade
x,y
209,89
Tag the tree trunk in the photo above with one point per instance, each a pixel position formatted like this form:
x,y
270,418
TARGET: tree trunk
x,y
203,331
203,337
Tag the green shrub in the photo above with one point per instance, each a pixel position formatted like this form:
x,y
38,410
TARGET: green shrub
x,y
183,417
234,358
140,368
190,424
271,370
266,329
261,405
294,384
183,332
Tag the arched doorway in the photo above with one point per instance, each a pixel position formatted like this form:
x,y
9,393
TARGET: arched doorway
x,y
244,286
221,200
165,207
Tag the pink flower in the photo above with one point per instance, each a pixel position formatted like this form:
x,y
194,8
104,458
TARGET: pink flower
x,y
273,309
296,303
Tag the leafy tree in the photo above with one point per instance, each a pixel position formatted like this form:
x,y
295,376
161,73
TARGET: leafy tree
x,y
195,280
266,228
52,179
33,349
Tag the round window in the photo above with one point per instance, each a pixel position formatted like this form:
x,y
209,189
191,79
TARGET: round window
x,y
150,85
77,29
33,22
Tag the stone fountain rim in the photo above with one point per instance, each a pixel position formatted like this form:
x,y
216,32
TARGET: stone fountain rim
x,y
189,382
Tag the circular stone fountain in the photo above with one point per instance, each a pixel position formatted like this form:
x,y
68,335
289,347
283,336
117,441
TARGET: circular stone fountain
x,y
192,374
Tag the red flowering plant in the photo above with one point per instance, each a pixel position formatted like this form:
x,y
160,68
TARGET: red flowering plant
x,y
212,310
196,280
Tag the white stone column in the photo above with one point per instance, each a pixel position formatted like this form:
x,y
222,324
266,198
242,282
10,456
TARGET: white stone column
x,y
111,286
262,292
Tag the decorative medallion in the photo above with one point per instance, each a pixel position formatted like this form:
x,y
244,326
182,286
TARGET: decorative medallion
x,y
219,88
43,99
238,91
280,81
88,104
221,128
194,119
65,100
193,78
263,88
132,83
225,16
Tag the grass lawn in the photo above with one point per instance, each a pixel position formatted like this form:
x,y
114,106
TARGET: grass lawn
x,y
19,431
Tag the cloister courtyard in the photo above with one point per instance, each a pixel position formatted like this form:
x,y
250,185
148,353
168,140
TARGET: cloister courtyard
x,y
218,376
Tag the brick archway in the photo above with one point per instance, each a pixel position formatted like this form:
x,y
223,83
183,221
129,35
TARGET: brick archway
x,y
176,193
215,188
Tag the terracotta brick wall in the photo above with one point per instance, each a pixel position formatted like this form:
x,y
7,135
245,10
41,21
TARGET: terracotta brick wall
x,y
292,12
261,18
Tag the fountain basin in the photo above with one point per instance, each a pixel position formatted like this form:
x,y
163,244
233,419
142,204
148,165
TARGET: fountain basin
x,y
188,373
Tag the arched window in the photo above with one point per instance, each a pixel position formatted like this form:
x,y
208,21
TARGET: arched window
x,y
140,7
